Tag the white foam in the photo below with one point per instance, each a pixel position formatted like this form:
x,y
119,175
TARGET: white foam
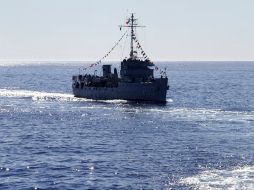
x,y
36,95
49,96
241,178
169,100
204,114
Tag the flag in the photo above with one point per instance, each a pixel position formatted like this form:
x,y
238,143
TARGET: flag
x,y
128,21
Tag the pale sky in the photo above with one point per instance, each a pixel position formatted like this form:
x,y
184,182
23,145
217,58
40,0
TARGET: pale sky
x,y
177,30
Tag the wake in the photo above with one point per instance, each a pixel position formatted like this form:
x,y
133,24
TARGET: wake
x,y
49,96
237,178
36,95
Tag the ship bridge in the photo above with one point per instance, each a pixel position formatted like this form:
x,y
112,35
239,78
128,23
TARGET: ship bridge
x,y
136,70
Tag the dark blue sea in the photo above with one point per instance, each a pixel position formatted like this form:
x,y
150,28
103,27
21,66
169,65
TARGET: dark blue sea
x,y
202,138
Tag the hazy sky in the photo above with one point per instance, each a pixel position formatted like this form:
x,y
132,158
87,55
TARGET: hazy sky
x,y
87,29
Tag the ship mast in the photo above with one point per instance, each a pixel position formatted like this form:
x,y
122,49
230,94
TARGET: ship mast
x,y
132,35
133,24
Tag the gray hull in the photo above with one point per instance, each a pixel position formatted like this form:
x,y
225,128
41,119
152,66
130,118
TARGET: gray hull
x,y
148,91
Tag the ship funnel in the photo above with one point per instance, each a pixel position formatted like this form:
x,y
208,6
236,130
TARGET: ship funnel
x,y
106,70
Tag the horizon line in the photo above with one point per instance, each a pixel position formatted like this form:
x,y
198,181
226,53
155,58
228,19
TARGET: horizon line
x,y
113,60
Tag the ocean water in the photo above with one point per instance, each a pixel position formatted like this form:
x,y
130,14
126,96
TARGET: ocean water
x,y
202,138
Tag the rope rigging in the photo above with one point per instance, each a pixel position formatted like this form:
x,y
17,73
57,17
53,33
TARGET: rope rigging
x,y
140,48
131,23
161,71
106,55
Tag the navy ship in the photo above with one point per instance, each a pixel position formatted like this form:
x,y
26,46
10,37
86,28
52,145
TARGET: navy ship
x,y
136,81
